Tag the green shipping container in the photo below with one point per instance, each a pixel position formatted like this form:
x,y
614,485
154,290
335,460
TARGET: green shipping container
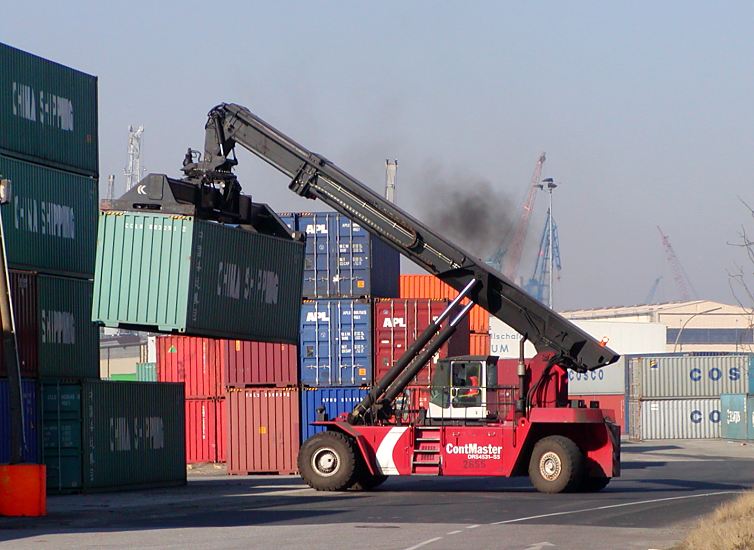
x,y
68,339
50,224
124,377
48,112
734,416
146,372
167,273
61,439
132,433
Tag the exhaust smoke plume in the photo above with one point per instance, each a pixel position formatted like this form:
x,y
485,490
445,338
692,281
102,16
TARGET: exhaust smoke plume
x,y
468,210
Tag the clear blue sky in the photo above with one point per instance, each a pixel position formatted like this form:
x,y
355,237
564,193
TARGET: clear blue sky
x,y
645,109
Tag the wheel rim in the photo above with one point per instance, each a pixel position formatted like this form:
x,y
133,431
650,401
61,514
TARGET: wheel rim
x,y
550,466
325,461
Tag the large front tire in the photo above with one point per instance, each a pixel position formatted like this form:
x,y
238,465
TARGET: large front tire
x,y
556,465
327,461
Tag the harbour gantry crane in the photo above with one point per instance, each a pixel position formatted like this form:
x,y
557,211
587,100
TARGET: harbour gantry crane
x,y
685,289
538,284
508,255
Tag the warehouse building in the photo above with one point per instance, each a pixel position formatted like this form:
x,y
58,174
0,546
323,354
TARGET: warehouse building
x,y
697,325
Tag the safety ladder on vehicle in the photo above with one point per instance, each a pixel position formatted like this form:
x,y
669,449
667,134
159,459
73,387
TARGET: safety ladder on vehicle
x,y
426,459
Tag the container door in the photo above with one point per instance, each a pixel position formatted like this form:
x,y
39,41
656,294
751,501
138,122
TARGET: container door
x,y
353,352
317,254
316,349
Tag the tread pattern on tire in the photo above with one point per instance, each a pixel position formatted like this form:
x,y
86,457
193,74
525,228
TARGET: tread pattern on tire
x,y
571,457
343,445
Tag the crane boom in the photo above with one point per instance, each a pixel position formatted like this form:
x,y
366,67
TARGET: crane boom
x,y
512,258
313,176
685,288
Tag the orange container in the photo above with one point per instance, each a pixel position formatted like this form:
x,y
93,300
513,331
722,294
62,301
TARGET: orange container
x,y
23,490
429,286
479,344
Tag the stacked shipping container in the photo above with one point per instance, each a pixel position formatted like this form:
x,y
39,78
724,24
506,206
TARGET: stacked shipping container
x,y
679,396
48,149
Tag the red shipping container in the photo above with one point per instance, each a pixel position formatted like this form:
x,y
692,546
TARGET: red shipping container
x,y
479,344
263,430
399,322
429,286
205,430
616,402
192,360
23,285
259,363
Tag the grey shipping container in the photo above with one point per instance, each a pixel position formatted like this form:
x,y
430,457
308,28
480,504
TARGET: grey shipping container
x,y
675,419
48,112
68,339
682,376
609,380
167,273
113,435
50,224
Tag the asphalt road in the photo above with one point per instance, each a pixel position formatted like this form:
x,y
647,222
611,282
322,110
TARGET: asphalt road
x,y
664,488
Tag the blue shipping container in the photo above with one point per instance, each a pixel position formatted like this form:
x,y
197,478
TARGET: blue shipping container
x,y
31,421
336,343
343,260
734,411
334,400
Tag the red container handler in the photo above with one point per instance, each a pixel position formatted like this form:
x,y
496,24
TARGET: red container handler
x,y
23,286
615,402
205,433
247,363
398,322
192,360
263,430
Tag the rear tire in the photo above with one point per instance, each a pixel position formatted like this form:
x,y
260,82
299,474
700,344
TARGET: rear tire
x,y
556,465
594,484
327,461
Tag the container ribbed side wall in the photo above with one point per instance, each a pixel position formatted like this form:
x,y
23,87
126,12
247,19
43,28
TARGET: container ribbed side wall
x,y
680,418
479,344
336,343
48,112
68,339
247,363
192,360
24,291
134,434
249,286
203,430
263,430
429,286
62,444
32,422
51,223
142,270
737,415
673,376
146,372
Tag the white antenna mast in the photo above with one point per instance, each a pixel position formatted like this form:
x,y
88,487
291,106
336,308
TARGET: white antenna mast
x,y
110,186
391,178
133,171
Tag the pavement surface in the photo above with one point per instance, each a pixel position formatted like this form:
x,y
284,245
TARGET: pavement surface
x,y
665,487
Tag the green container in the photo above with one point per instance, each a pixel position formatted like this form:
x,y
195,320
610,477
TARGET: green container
x,y
48,112
134,434
146,372
734,416
166,273
124,377
62,442
51,222
68,340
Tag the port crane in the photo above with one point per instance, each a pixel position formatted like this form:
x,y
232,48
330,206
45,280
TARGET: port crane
x,y
485,416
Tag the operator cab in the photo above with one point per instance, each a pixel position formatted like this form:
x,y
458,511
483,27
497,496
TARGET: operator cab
x,y
460,387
